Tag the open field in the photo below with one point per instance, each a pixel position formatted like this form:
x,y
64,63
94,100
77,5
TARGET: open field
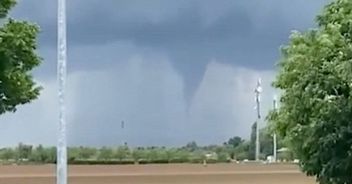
x,y
159,174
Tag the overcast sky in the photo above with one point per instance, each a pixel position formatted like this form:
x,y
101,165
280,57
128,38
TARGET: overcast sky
x,y
173,71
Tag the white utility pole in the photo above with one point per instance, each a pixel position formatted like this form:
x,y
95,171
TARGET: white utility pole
x,y
61,164
274,136
257,91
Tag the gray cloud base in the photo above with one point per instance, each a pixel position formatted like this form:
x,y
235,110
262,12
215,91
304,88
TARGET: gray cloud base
x,y
175,71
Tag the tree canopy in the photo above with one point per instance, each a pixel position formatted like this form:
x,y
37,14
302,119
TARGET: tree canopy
x,y
315,77
18,58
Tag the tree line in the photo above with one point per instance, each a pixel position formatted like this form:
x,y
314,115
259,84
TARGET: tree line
x,y
234,149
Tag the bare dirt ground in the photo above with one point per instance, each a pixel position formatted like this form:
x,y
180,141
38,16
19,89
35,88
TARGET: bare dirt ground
x,y
159,174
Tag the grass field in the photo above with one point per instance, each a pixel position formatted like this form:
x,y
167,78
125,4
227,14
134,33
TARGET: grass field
x,y
159,174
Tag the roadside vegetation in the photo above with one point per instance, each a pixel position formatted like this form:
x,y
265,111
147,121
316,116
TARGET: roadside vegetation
x,y
234,149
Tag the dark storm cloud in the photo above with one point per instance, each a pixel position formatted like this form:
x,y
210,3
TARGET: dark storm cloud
x,y
191,33
175,71
243,27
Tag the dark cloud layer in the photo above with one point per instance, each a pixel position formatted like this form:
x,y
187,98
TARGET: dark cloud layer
x,y
191,33
175,71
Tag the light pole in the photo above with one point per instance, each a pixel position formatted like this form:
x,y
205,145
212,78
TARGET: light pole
x,y
257,91
61,164
123,133
274,136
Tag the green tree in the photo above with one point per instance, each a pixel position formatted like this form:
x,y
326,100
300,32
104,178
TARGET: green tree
x,y
316,103
242,151
39,154
18,58
51,153
24,151
182,155
5,6
105,153
222,154
170,154
191,146
86,153
73,153
82,153
234,141
7,154
153,154
266,142
122,152
138,154
232,144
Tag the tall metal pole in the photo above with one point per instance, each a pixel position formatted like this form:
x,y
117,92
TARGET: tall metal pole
x,y
274,136
257,91
61,170
123,133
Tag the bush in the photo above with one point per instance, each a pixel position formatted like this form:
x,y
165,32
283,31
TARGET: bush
x,y
101,162
179,160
